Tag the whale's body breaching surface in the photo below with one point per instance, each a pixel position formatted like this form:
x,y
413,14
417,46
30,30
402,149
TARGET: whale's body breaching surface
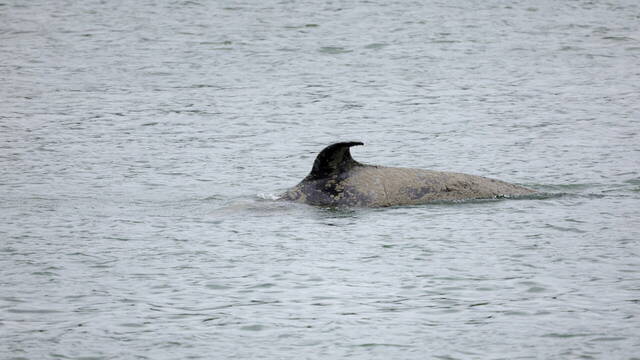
x,y
338,180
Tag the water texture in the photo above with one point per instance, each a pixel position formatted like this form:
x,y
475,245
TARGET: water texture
x,y
142,145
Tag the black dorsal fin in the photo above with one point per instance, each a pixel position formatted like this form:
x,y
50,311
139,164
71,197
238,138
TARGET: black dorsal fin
x,y
333,160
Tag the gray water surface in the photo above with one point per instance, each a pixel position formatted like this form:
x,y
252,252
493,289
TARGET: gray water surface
x,y
142,145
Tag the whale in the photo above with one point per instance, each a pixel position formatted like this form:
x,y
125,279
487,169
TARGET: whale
x,y
337,180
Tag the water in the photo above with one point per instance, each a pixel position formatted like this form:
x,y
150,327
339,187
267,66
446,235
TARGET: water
x,y
142,145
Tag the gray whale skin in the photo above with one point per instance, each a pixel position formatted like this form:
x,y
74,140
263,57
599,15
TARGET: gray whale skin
x,y
338,180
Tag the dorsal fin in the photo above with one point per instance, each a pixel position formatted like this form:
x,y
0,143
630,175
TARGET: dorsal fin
x,y
333,160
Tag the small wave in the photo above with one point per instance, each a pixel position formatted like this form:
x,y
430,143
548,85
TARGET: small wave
x,y
262,203
564,187
268,196
590,190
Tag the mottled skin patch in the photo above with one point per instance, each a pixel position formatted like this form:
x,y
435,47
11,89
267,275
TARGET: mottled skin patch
x,y
328,192
338,180
417,193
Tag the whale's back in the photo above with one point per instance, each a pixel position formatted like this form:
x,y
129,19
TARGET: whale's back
x,y
388,186
378,186
338,180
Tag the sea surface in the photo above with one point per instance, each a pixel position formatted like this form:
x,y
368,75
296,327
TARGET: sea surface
x,y
143,145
